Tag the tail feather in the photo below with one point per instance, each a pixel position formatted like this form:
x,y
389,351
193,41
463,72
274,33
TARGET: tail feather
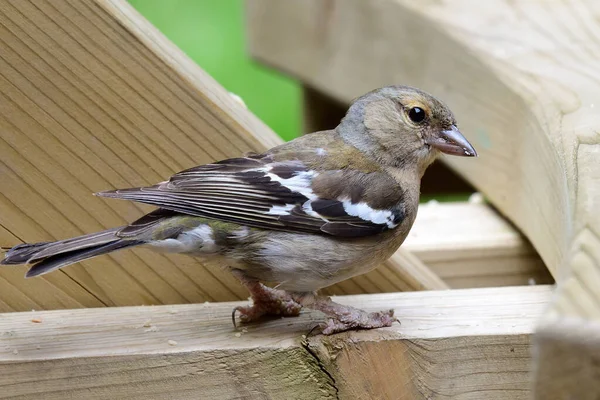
x,y
60,260
21,253
76,243
49,256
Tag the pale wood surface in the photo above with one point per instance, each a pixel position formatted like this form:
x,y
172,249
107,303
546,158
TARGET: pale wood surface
x,y
467,244
469,344
414,272
93,97
521,79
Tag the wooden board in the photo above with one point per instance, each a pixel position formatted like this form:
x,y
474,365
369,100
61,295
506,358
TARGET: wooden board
x,y
461,344
93,97
520,78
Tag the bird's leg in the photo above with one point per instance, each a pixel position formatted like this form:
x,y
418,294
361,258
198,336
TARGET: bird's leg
x,y
265,301
342,318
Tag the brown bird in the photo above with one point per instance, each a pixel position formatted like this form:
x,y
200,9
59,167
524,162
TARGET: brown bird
x,y
304,215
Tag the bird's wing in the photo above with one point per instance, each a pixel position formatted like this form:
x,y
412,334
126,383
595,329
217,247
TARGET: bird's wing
x,y
280,195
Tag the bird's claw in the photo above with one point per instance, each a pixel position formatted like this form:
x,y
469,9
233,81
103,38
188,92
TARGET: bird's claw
x,y
277,307
235,309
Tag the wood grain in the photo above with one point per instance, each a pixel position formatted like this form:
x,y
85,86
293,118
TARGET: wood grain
x,y
467,344
93,97
520,77
468,244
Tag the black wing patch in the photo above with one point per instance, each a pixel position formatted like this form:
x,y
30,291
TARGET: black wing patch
x,y
260,193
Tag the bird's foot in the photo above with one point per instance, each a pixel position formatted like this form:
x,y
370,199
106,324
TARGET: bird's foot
x,y
343,318
379,319
266,301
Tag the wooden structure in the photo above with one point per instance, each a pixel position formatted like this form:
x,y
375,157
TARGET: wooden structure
x,y
519,77
465,344
94,97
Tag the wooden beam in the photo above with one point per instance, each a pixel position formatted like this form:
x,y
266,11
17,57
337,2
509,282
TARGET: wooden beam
x,y
468,244
523,89
460,343
93,97
414,272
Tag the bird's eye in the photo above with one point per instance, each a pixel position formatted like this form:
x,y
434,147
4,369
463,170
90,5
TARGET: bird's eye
x,y
416,115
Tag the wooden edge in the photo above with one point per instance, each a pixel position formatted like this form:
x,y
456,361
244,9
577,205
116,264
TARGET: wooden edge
x,y
470,240
414,272
452,343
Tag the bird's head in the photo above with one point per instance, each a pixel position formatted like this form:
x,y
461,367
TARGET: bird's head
x,y
402,126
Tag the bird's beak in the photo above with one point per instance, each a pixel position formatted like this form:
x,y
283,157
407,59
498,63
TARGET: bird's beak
x,y
451,141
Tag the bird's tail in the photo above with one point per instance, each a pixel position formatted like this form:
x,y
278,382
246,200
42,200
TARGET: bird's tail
x,y
49,256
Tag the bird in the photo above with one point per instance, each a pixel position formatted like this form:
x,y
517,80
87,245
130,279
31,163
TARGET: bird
x,y
287,222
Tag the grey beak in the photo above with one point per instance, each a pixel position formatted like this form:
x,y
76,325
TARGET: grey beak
x,y
452,142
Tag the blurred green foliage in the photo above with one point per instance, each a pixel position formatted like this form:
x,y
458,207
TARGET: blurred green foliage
x,y
211,32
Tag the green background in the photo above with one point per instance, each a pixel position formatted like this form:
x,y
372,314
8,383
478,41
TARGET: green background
x,y
211,32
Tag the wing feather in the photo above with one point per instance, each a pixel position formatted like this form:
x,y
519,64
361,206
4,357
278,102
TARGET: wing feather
x,y
261,193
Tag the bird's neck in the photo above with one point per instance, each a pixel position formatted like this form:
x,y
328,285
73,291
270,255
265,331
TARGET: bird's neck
x,y
413,160
410,181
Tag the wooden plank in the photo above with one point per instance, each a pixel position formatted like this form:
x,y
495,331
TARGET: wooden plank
x,y
468,244
523,89
93,97
462,344
414,272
